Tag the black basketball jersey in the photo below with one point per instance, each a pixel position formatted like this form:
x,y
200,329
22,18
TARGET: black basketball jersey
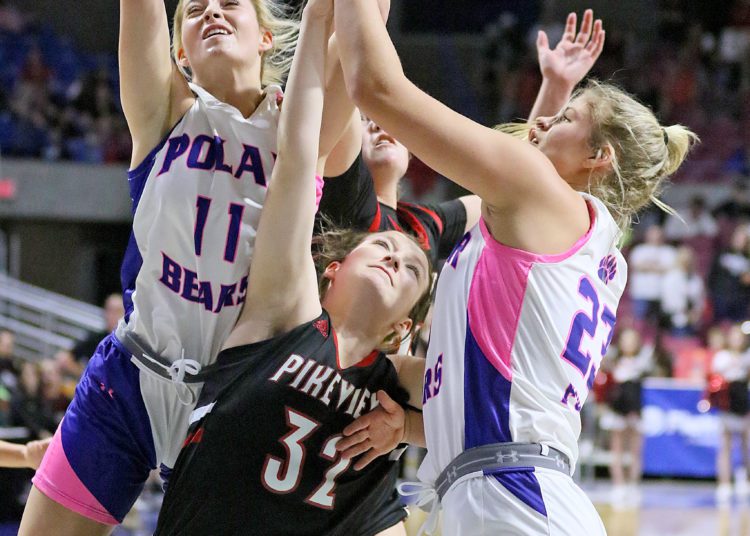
x,y
349,201
260,456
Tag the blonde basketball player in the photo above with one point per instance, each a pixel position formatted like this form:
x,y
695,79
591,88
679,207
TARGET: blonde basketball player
x,y
526,302
203,119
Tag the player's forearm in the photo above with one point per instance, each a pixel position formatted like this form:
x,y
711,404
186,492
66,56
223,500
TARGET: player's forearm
x,y
552,96
369,59
12,455
300,121
414,428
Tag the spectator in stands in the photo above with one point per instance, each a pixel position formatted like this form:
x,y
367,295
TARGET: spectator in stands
x,y
729,280
94,95
4,405
8,360
54,396
28,407
694,362
622,417
737,207
79,355
733,364
683,295
648,264
694,222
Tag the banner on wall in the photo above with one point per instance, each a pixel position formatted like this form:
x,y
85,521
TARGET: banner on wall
x,y
679,440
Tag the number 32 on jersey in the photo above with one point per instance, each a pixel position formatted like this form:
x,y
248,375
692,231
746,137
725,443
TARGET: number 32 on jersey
x,y
596,327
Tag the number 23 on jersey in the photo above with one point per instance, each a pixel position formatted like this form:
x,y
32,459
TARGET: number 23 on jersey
x,y
598,327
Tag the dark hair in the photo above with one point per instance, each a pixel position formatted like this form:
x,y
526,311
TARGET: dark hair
x,y
334,245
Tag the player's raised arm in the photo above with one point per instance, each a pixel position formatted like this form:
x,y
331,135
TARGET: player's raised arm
x,y
147,73
502,170
564,66
283,289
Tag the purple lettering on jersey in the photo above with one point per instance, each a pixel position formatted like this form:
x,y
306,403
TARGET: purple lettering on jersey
x,y
251,162
176,147
427,384
202,204
226,297
453,257
191,287
233,232
194,158
243,291
205,295
585,324
570,391
433,379
591,378
184,282
220,165
582,324
171,273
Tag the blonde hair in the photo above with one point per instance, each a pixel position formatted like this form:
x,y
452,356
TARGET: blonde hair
x,y
273,16
645,153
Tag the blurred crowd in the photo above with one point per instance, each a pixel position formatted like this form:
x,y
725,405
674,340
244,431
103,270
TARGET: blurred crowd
x,y
694,69
56,103
59,103
35,394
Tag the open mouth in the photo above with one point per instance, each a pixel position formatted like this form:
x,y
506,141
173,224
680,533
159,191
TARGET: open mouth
x,y
382,141
214,30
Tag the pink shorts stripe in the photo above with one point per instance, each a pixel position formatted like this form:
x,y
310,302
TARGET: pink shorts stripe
x,y
56,479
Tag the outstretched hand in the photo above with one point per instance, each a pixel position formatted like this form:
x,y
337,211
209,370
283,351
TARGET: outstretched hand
x,y
374,434
574,55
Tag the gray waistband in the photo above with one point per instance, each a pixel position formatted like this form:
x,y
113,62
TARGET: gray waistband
x,y
192,373
487,458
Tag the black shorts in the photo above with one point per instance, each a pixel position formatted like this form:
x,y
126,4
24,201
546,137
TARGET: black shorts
x,y
626,398
738,398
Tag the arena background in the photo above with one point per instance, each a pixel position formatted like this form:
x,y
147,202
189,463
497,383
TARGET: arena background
x,y
65,209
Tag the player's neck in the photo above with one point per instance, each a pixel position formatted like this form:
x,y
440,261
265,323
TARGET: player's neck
x,y
239,90
386,188
355,341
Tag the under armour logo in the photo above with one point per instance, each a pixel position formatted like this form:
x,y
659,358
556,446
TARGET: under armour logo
x,y
559,462
452,474
502,458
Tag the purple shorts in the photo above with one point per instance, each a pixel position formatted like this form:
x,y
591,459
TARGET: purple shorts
x,y
103,450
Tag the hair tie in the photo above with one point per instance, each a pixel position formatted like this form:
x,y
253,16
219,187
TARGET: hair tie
x,y
666,136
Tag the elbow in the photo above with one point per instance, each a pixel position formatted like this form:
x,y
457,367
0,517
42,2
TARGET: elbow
x,y
358,86
367,90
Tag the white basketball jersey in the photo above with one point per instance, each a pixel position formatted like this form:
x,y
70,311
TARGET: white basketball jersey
x,y
197,199
516,341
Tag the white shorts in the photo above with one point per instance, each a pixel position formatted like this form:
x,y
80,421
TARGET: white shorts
x,y
526,503
734,423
